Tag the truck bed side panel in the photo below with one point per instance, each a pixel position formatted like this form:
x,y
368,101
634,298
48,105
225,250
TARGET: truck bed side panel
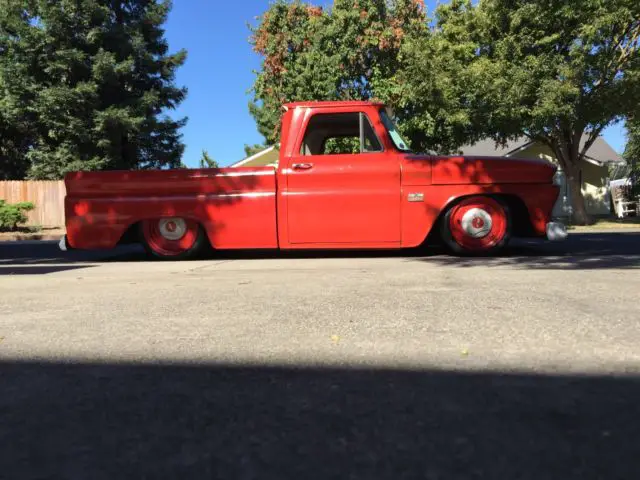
x,y
235,206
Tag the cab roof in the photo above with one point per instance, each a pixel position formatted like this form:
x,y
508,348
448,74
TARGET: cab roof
x,y
334,104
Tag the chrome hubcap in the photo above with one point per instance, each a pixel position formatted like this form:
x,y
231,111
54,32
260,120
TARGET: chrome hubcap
x,y
172,228
477,223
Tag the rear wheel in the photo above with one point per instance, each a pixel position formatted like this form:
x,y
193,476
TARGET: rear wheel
x,y
172,238
477,226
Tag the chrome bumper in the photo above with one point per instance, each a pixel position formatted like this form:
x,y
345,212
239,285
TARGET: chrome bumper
x,y
556,231
64,246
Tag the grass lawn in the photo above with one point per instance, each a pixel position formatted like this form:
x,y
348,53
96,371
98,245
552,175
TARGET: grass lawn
x,y
608,223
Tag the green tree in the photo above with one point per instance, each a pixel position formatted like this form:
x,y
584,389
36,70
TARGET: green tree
x,y
632,150
207,162
558,72
90,83
350,51
250,150
16,90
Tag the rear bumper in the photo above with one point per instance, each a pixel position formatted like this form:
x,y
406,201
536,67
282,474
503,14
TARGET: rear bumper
x,y
556,231
64,244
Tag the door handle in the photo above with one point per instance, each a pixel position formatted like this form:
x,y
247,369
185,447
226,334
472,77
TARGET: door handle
x,y
302,166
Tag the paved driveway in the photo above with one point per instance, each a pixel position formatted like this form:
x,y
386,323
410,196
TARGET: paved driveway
x,y
325,365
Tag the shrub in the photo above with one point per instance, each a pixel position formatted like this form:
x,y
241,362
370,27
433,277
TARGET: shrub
x,y
13,215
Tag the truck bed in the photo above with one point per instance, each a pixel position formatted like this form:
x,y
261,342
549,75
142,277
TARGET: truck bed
x,y
235,206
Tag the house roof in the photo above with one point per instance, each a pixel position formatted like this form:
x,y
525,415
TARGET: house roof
x,y
268,156
489,147
600,152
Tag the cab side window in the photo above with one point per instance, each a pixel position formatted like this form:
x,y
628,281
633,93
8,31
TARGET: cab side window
x,y
340,133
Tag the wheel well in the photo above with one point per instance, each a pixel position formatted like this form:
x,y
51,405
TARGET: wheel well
x,y
521,222
521,225
131,234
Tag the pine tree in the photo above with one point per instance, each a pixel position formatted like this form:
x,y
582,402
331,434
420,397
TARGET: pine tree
x,y
91,82
206,161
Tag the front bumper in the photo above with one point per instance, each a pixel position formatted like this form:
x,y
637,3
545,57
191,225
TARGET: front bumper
x,y
556,231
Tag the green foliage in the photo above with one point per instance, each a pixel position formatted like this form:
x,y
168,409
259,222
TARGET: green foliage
x,y
343,145
207,162
83,86
632,150
250,150
13,215
553,70
351,51
632,153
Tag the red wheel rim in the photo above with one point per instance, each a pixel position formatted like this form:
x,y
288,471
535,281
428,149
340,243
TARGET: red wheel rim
x,y
170,236
478,224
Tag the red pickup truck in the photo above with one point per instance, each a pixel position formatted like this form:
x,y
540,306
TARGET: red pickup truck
x,y
345,179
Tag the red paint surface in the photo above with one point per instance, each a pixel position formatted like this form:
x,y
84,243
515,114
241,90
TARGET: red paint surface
x,y
236,207
338,201
490,171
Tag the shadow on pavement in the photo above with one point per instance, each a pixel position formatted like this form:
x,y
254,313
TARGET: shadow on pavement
x,y
579,251
588,251
46,253
39,269
101,421
34,253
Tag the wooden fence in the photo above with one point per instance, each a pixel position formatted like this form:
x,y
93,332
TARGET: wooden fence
x,y
48,198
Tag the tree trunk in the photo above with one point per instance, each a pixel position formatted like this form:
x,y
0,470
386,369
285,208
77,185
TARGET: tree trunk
x,y
579,214
567,151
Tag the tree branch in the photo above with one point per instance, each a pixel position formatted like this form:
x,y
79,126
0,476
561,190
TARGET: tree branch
x,y
593,135
615,64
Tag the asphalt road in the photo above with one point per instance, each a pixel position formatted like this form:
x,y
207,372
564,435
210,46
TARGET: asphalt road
x,y
322,365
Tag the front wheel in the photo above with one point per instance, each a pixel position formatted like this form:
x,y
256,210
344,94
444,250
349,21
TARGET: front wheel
x,y
477,225
172,238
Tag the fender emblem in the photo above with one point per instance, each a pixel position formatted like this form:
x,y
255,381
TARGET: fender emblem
x,y
416,197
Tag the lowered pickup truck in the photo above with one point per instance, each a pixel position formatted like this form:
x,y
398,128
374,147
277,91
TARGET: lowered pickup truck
x,y
345,179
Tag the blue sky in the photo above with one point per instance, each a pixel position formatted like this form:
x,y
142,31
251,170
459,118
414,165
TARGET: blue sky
x,y
219,74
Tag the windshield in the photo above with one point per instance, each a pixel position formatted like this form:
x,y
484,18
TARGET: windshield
x,y
393,132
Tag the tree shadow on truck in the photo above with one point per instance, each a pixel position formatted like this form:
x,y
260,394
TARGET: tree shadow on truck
x,y
105,209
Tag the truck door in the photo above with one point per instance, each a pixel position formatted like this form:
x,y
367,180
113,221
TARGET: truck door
x,y
342,187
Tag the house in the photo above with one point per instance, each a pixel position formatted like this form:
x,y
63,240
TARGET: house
x,y
266,158
595,168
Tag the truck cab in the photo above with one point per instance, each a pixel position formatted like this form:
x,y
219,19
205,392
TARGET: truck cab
x,y
340,175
